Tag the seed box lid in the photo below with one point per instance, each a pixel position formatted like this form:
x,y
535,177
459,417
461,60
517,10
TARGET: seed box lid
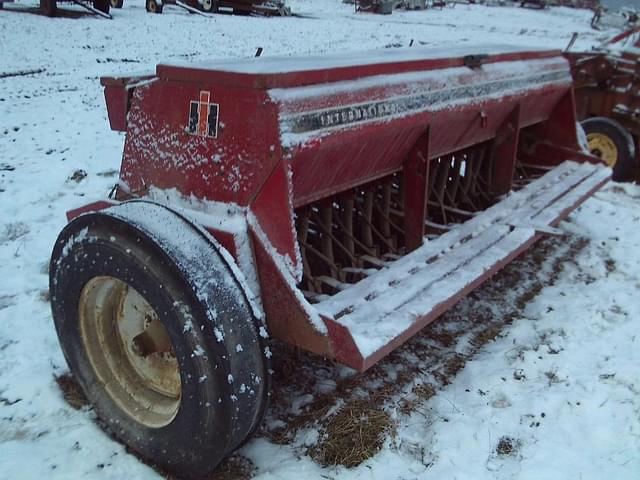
x,y
281,72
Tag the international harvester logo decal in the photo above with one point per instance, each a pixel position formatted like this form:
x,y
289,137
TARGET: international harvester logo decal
x,y
203,117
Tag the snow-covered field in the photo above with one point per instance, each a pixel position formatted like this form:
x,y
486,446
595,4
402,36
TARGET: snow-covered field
x,y
555,395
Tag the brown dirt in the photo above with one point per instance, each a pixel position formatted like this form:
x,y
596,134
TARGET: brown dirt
x,y
508,446
78,176
71,391
235,467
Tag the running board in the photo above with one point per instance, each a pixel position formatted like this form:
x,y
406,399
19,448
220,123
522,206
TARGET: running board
x,y
373,317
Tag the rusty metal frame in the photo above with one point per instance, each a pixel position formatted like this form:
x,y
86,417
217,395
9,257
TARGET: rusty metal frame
x,y
351,235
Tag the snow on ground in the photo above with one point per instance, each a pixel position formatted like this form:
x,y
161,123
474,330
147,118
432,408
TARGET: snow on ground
x,y
557,395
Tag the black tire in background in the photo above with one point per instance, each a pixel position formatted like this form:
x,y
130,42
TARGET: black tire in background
x,y
209,6
214,336
610,141
153,6
102,5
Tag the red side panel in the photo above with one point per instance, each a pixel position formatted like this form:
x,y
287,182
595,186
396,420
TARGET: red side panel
x,y
286,317
274,212
117,99
169,146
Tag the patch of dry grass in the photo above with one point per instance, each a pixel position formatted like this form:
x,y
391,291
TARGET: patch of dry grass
x,y
419,394
409,376
355,434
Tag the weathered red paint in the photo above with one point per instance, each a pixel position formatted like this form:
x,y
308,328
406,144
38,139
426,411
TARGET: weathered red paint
x,y
505,147
91,207
274,213
117,94
416,171
252,164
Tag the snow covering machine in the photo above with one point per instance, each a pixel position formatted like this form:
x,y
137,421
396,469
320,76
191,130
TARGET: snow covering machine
x,y
338,204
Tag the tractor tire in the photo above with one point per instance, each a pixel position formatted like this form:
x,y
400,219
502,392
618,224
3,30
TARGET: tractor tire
x,y
153,6
159,334
102,5
209,6
50,7
610,141
116,3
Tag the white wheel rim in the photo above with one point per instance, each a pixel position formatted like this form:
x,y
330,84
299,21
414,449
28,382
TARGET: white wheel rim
x,y
130,351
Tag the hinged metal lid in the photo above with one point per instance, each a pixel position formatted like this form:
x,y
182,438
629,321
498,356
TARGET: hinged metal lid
x,y
280,72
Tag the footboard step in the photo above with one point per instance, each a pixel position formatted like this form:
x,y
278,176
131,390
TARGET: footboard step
x,y
385,309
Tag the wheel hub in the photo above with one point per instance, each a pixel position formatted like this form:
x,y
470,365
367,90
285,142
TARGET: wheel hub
x,y
603,147
130,350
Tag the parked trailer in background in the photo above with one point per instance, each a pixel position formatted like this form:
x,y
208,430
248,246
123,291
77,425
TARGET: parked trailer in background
x,y
50,7
607,92
242,7
623,18
338,204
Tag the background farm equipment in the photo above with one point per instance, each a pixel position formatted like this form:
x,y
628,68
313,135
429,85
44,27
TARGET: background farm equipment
x,y
536,4
50,7
607,92
384,7
623,18
586,4
243,7
338,203
414,4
